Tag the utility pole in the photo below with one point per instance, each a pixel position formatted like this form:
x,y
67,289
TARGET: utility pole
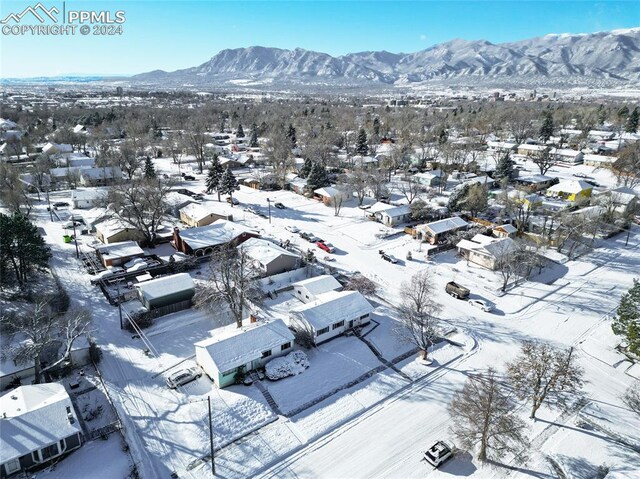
x,y
75,236
119,305
269,202
213,462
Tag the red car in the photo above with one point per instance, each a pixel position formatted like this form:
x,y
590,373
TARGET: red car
x,y
328,247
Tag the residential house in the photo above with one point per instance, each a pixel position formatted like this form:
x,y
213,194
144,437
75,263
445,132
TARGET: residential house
x,y
195,214
528,200
114,230
502,146
331,314
530,150
101,176
570,190
395,215
308,290
51,148
535,183
268,257
486,251
38,424
599,161
166,291
429,178
568,156
176,201
505,231
438,230
116,254
330,194
82,198
233,351
625,200
297,185
204,240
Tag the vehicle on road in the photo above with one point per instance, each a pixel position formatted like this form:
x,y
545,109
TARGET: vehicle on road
x,y
328,247
188,177
580,175
482,304
329,258
439,453
457,291
279,205
388,257
232,201
183,376
60,204
292,229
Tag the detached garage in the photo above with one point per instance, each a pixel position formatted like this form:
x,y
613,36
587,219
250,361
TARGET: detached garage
x,y
166,291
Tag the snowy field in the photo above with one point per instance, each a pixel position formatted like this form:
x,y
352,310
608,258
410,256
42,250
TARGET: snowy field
x,y
380,426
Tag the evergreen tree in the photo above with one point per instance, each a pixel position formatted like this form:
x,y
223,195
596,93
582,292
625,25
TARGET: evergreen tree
x,y
632,121
253,139
376,127
443,136
240,131
546,130
306,168
214,175
627,322
317,177
456,200
602,115
228,184
361,143
504,167
149,169
22,248
291,134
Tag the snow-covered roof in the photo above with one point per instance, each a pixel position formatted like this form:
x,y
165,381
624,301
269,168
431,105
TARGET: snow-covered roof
x,y
623,195
570,186
195,211
487,244
380,206
158,288
7,124
81,194
231,347
599,158
35,416
534,179
112,226
53,148
447,224
217,233
507,228
397,211
429,175
333,307
101,172
329,191
264,250
532,147
121,249
319,284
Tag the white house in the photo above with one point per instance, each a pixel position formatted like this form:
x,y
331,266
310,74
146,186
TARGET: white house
x,y
599,161
429,178
87,198
37,425
394,215
330,194
195,214
100,176
308,290
116,254
331,314
486,251
231,350
437,230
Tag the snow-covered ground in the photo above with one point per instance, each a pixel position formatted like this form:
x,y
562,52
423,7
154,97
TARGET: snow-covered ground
x,y
375,425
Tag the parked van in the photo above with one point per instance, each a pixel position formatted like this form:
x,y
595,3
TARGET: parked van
x,y
457,291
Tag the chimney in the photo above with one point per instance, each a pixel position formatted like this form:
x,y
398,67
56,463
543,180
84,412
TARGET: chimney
x,y
177,241
253,318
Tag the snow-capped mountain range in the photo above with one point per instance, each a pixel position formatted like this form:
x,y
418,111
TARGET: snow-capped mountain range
x,y
567,59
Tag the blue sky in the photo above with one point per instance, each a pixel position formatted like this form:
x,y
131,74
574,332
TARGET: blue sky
x,y
176,34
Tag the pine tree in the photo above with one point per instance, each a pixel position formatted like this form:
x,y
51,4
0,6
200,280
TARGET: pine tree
x,y
632,121
376,127
291,134
504,167
546,130
214,175
228,184
149,169
602,115
627,322
361,143
22,248
240,131
317,177
306,168
253,139
456,200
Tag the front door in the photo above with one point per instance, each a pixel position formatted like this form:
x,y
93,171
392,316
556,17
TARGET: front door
x,y
351,324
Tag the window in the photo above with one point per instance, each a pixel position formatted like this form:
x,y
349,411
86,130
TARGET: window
x,y
285,346
364,316
49,451
322,331
306,296
266,354
338,325
12,466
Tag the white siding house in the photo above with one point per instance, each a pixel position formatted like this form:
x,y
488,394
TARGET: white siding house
x,y
309,289
331,314
234,350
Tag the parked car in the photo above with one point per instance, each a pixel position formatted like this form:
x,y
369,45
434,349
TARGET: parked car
x,y
279,205
261,214
457,291
580,175
198,196
189,177
60,204
592,183
390,258
183,376
232,201
328,247
439,453
480,303
329,258
304,235
292,229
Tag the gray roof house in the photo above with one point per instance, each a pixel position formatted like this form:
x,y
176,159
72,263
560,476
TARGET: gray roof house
x,y
268,257
166,291
37,425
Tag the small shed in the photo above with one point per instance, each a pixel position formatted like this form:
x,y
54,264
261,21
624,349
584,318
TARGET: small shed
x,y
308,290
232,351
116,254
166,291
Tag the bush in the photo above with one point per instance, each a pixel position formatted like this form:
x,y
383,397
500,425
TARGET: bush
x,y
95,353
304,338
290,365
142,321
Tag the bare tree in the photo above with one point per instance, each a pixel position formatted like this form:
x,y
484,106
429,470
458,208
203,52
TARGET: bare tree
x,y
377,183
484,413
358,182
632,397
141,203
195,139
409,187
278,152
542,373
545,159
627,166
362,284
419,312
232,282
13,192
